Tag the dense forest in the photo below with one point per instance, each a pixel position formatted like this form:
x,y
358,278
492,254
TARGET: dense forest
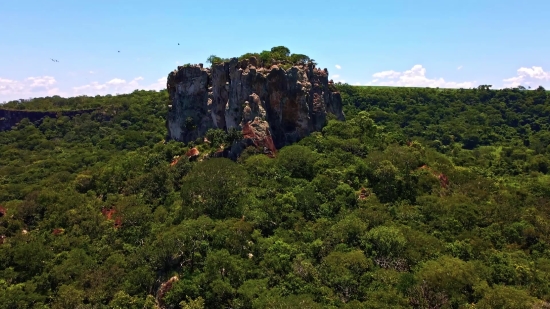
x,y
422,198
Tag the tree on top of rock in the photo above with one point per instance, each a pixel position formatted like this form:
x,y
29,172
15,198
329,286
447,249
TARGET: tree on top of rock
x,y
280,52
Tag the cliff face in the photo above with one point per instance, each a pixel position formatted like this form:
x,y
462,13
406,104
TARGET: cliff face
x,y
10,118
272,106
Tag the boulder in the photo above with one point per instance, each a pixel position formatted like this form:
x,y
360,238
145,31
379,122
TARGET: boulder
x,y
192,154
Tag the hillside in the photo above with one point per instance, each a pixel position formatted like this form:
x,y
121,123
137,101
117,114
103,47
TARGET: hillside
x,y
421,198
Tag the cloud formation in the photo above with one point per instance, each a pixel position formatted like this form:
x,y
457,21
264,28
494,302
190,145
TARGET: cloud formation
x,y
27,88
459,68
338,66
534,77
43,86
336,78
415,77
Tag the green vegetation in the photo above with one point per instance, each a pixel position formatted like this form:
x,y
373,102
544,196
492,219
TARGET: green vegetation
x,y
422,198
265,58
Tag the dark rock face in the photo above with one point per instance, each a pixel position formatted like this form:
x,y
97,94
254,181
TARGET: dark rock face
x,y
272,106
10,118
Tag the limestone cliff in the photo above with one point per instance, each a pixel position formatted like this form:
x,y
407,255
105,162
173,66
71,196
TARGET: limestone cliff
x,y
273,107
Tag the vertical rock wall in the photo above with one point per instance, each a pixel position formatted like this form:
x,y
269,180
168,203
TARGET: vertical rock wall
x,y
272,106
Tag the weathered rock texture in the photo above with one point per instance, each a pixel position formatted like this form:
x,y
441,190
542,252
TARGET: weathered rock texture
x,y
273,107
10,118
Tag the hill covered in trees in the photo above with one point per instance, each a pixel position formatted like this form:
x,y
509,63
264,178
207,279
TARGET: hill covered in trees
x,y
421,198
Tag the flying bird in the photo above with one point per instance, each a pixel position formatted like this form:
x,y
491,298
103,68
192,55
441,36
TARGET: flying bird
x,y
119,51
178,43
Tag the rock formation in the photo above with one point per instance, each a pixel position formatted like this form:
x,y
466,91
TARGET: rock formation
x,y
273,107
10,118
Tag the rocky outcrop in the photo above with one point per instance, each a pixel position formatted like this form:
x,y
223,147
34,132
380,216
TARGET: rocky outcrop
x,y
273,107
164,288
10,118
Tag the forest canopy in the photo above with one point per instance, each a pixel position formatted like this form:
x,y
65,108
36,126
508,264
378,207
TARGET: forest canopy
x,y
422,198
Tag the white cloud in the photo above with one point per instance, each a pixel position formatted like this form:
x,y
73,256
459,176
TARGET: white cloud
x,y
92,72
116,81
415,77
386,74
43,86
459,67
336,78
358,84
533,76
117,85
27,88
338,66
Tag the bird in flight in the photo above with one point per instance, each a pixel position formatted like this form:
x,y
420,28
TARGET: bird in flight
x,y
178,43
54,60
119,51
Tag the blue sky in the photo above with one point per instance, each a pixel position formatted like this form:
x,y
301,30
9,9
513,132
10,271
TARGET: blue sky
x,y
447,43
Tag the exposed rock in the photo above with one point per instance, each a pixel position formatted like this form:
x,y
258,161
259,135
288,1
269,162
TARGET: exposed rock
x,y
364,193
273,107
192,154
109,215
10,118
58,231
222,152
175,161
255,133
443,179
165,287
3,211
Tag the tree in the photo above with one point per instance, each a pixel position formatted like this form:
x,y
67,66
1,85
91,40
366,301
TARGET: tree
x,y
445,278
505,297
385,242
298,160
280,52
217,137
68,296
299,58
213,59
214,188
192,304
342,271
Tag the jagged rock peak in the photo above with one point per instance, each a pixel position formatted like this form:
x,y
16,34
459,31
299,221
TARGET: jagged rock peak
x,y
274,104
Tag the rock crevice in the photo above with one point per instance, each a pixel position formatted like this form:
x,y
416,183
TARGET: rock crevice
x,y
273,107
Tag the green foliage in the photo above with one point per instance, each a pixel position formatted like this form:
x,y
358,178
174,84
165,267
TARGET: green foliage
x,y
386,241
422,198
193,304
213,59
213,188
278,53
298,160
